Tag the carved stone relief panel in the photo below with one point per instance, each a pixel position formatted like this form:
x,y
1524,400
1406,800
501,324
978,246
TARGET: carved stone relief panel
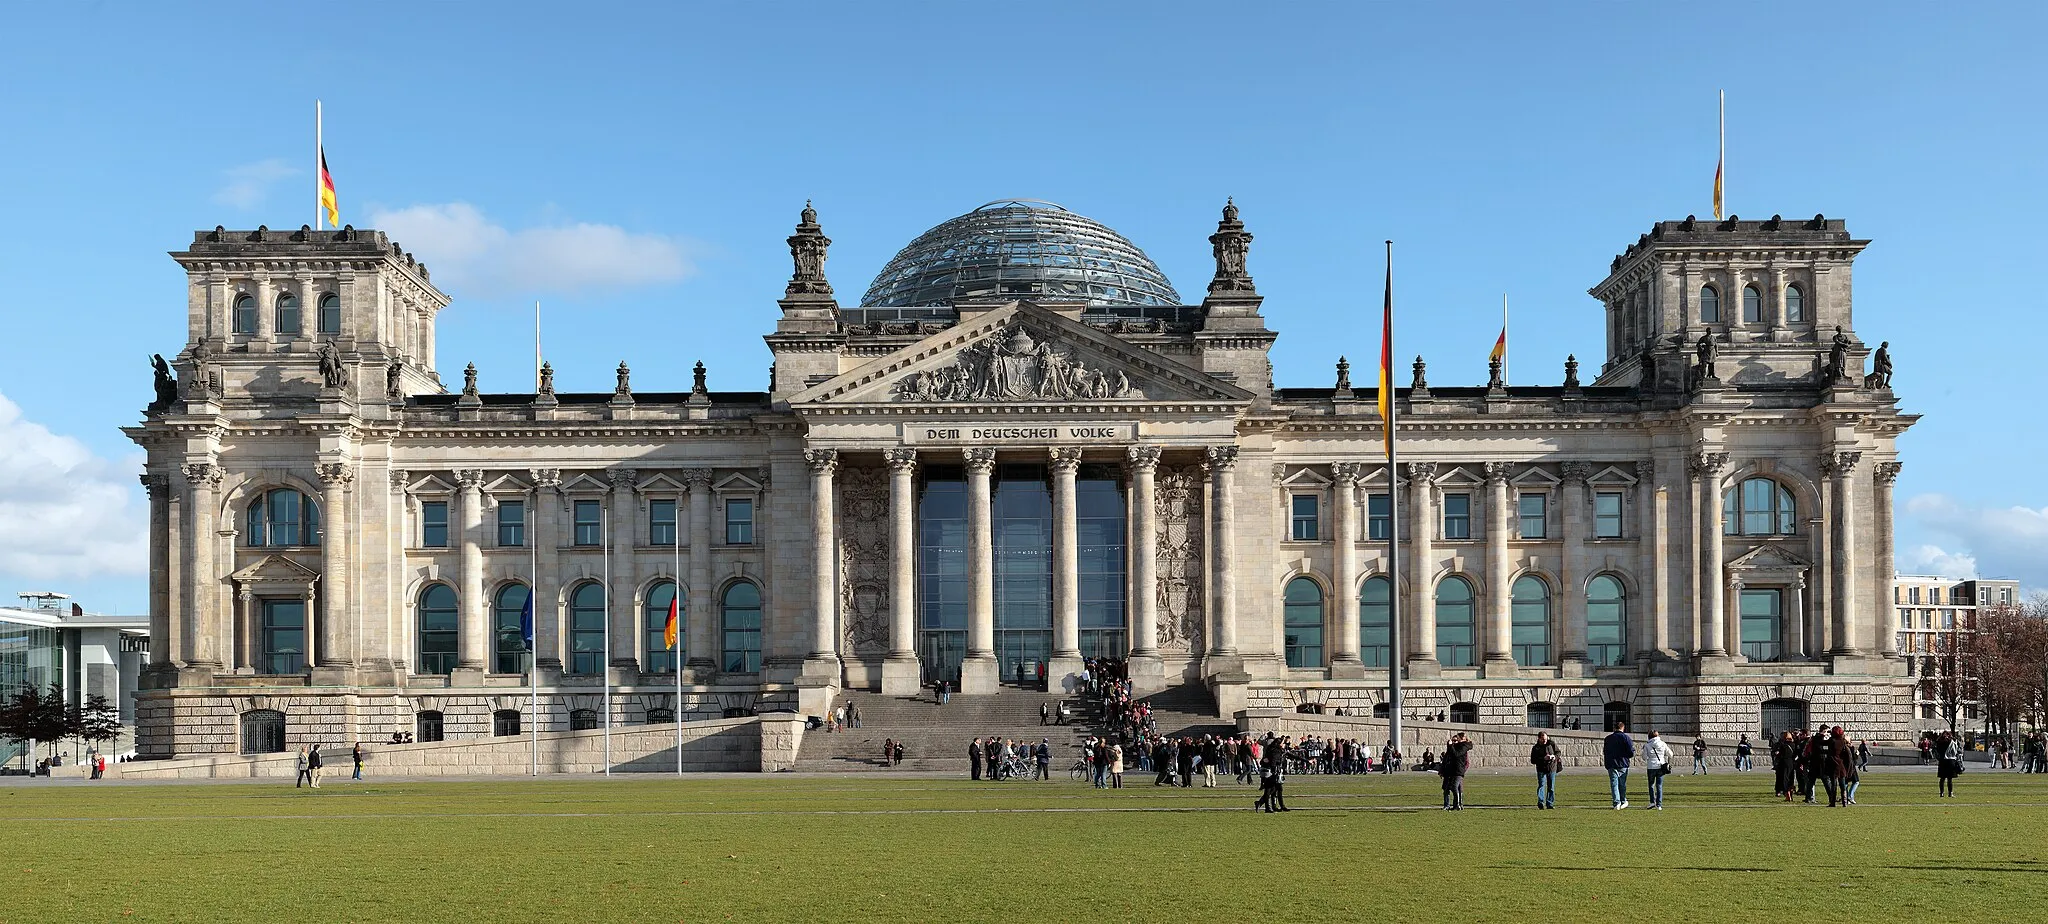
x,y
1179,512
864,561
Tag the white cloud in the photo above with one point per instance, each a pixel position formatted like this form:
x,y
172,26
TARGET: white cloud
x,y
1999,541
1935,560
465,250
64,512
249,184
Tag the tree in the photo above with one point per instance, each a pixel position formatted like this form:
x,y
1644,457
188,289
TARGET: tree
x,y
95,721
35,714
2010,650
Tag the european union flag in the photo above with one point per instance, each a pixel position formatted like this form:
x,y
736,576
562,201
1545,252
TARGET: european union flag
x,y
526,621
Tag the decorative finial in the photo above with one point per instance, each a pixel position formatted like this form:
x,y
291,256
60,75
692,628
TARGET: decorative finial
x,y
1229,208
547,378
625,389
1231,243
1421,368
469,380
807,250
1493,376
1343,374
697,378
1571,372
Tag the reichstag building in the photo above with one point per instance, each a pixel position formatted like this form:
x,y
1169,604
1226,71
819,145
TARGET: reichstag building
x,y
1022,447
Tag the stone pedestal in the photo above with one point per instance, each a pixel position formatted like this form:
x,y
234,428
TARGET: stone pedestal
x,y
978,674
1707,665
814,693
1347,670
1574,668
1231,689
1058,668
195,675
1500,669
474,677
334,676
1148,673
1424,669
901,676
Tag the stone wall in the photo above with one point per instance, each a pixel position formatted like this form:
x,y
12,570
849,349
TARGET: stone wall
x,y
720,745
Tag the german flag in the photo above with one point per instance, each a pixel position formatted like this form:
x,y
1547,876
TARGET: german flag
x,y
668,629
327,200
1500,347
1386,395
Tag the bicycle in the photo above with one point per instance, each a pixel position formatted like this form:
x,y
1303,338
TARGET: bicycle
x,y
1079,771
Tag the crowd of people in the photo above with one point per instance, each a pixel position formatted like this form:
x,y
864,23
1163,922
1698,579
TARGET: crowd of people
x,y
1824,757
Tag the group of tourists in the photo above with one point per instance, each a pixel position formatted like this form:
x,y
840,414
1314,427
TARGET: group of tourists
x,y
999,759
892,752
1825,757
2032,747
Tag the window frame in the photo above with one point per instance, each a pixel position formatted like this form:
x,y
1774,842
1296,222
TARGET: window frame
x,y
1782,513
429,725
748,660
429,523
1795,303
262,731
1462,521
1608,525
586,534
1597,652
498,718
276,658
508,636
288,301
261,521
1375,654
328,307
1520,626
242,314
587,661
516,527
427,660
655,523
1379,527
1710,304
1304,527
1752,304
1300,651
1465,654
749,533
654,618
1541,518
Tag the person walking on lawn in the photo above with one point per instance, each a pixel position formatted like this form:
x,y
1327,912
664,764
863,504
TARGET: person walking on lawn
x,y
1618,752
1656,766
1547,760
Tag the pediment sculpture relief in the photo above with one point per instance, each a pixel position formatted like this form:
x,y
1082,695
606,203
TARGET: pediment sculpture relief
x,y
1011,366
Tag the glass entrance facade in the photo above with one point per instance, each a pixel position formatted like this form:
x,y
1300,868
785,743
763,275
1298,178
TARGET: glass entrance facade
x,y
1100,529
1021,519
942,573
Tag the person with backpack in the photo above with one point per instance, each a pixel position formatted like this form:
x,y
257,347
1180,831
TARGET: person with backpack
x,y
1948,750
1548,760
1617,752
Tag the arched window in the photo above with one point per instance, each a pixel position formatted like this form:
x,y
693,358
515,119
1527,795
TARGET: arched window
x,y
1376,622
1614,715
1782,715
1710,305
263,731
438,633
1606,621
1465,713
426,725
287,313
283,518
330,313
742,628
1795,303
661,715
1529,621
659,657
586,629
508,629
242,320
1758,507
1752,305
1542,715
505,723
1454,636
585,720
1303,623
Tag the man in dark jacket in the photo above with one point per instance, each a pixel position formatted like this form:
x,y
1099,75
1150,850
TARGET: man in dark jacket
x,y
1211,756
1185,762
974,759
1457,759
1547,760
1618,751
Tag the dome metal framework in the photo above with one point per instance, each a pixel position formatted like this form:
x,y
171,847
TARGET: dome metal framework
x,y
1020,248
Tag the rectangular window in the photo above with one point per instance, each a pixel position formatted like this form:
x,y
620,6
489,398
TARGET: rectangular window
x,y
2004,595
284,636
1934,595
1457,516
589,523
434,524
739,521
661,522
1761,613
1379,517
1532,509
1304,518
1913,595
511,524
1607,515
1948,619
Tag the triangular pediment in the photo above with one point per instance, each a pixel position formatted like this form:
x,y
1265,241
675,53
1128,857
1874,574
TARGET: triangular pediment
x,y
1769,558
275,569
1021,354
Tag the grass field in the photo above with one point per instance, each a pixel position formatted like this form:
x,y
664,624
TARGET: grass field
x,y
867,847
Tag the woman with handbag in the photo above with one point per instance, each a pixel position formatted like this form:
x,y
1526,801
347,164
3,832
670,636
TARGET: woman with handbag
x,y
1656,766
1949,765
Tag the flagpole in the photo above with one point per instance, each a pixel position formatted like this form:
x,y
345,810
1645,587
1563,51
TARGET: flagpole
x,y
536,345
1397,657
604,661
319,181
1724,153
675,603
1504,339
532,597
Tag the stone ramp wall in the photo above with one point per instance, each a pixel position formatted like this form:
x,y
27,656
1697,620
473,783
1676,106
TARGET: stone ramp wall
x,y
720,745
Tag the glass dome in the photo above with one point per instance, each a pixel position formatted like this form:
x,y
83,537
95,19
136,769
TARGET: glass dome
x,y
1020,248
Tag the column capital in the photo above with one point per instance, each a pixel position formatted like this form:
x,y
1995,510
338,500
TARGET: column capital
x,y
694,478
1425,471
1704,464
156,483
1839,464
980,461
335,474
1347,473
399,477
202,474
623,478
1497,472
1576,472
1065,459
1142,457
901,459
1646,470
469,479
1887,472
546,479
1221,458
822,461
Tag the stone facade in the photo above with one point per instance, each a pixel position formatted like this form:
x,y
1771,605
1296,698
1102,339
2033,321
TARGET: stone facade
x,y
1704,527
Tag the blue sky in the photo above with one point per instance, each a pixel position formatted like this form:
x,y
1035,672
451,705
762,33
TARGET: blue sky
x,y
636,168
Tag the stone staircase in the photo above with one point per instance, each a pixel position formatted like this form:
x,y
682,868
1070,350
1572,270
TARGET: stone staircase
x,y
935,737
1187,711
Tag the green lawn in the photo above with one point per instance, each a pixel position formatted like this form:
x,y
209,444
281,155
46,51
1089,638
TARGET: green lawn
x,y
866,847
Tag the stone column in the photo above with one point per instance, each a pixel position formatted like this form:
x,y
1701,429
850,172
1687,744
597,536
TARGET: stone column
x,y
1344,662
1651,632
546,582
473,647
266,312
978,667
160,649
201,634
1777,304
1148,670
702,625
1795,621
1842,472
1500,657
246,655
337,625
824,628
1888,623
1422,662
1706,472
1066,568
1571,570
622,516
901,674
1223,549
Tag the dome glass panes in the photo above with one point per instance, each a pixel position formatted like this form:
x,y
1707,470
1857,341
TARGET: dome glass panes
x,y
1020,248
